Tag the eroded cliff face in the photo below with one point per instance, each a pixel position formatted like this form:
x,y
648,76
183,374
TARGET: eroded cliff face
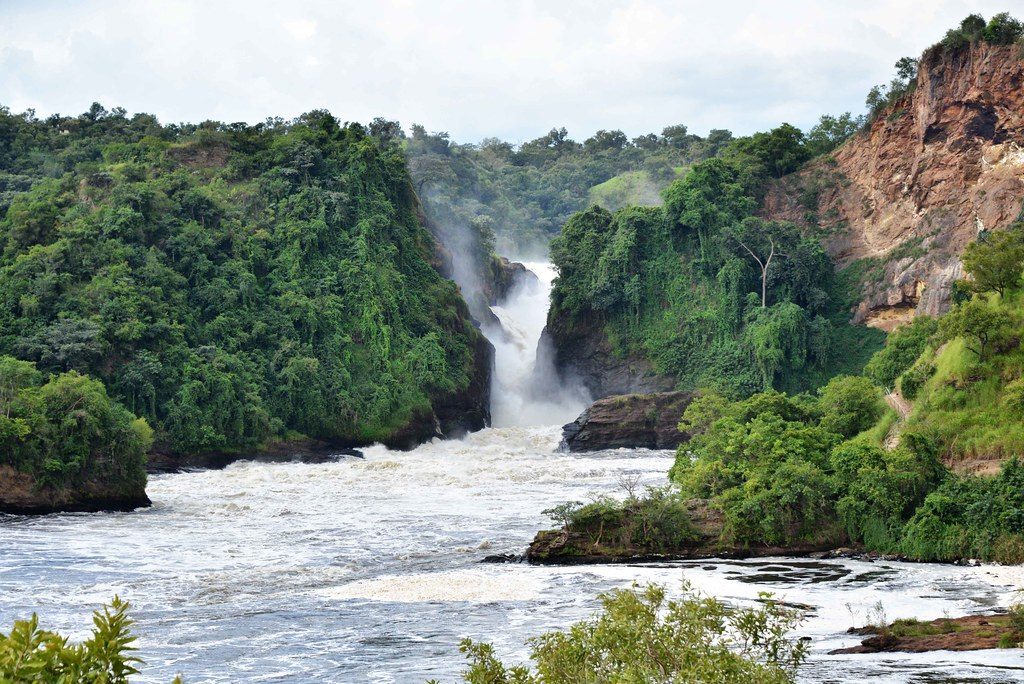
x,y
907,196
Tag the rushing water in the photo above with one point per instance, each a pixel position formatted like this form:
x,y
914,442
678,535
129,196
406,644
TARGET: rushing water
x,y
521,393
368,570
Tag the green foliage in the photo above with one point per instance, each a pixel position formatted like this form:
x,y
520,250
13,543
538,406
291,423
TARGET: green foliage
x,y
658,521
711,294
902,348
849,405
30,654
642,636
882,97
528,193
67,430
996,261
232,284
980,324
970,517
832,131
1002,29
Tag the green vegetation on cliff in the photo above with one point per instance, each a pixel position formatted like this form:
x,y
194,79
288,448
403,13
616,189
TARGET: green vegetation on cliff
x,y
938,479
711,294
232,284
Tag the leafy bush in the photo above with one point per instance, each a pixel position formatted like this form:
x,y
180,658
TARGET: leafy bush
x,y
902,348
30,654
849,404
68,430
642,636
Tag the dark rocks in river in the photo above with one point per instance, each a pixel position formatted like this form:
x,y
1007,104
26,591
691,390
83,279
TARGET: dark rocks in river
x,y
580,351
20,494
643,421
287,451
506,275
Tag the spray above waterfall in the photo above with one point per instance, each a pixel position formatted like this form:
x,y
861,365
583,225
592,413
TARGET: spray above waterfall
x,y
522,392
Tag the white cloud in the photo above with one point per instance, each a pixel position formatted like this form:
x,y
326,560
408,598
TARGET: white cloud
x,y
509,68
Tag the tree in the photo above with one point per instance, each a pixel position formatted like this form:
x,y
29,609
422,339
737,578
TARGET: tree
x,y
763,242
849,405
996,260
642,636
832,131
978,323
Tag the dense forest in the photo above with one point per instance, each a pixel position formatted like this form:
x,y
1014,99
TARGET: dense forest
x,y
710,292
917,457
231,284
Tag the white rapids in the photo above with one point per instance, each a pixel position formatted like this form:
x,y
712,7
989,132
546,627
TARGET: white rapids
x,y
367,570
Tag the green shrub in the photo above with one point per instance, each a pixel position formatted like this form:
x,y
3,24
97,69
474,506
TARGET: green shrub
x,y
30,654
641,636
901,350
911,381
849,405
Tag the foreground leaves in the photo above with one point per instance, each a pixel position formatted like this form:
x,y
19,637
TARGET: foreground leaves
x,y
642,636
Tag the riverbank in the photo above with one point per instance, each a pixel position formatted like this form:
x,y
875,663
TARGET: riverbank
x,y
966,633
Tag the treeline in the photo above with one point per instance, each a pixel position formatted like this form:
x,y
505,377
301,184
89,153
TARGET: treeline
x,y
710,293
230,283
518,197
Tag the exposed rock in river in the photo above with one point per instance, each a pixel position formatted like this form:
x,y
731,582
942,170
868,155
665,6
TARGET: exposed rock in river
x,y
21,494
643,421
967,633
608,540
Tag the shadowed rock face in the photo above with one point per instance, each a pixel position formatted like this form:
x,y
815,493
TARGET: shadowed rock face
x,y
912,191
19,494
645,421
581,352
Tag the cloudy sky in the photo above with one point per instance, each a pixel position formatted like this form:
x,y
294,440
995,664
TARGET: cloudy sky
x,y
510,69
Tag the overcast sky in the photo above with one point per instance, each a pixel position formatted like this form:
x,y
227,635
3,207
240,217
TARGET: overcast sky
x,y
475,69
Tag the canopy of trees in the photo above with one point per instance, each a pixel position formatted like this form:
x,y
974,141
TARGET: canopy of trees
x,y
230,283
713,295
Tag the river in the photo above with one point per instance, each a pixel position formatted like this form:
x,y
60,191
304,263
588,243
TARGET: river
x,y
367,570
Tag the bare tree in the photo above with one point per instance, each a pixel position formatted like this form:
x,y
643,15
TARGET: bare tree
x,y
764,264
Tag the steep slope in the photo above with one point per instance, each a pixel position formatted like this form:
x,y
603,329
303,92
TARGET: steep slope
x,y
235,285
905,197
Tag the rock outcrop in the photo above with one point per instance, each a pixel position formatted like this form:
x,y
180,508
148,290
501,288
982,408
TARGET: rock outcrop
x,y
581,352
21,494
967,633
909,193
643,421
590,544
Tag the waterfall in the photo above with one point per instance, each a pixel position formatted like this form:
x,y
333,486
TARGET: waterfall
x,y
517,399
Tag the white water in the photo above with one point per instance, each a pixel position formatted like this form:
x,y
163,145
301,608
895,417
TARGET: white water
x,y
368,570
521,393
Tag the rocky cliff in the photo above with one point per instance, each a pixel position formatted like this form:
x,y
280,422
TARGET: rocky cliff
x,y
20,493
907,195
644,421
581,351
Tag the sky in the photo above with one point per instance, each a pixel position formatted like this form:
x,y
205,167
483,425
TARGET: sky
x,y
511,69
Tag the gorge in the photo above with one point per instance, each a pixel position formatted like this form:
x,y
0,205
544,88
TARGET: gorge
x,y
368,569
323,398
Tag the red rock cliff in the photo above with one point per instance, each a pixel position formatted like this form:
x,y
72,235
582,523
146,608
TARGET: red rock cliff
x,y
912,191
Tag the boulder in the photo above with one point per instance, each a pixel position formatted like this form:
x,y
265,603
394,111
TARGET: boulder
x,y
638,421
